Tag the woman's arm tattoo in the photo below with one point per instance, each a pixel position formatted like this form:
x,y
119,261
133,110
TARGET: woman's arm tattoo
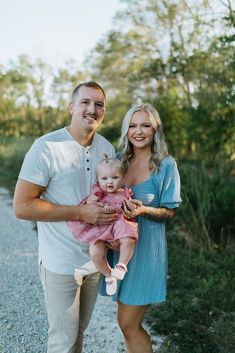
x,y
159,214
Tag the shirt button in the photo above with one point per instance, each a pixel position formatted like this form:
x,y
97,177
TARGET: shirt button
x,y
87,160
88,169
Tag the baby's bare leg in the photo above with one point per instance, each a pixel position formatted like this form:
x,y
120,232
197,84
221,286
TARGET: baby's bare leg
x,y
127,246
98,256
126,251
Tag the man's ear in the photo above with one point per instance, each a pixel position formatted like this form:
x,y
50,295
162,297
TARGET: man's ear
x,y
70,107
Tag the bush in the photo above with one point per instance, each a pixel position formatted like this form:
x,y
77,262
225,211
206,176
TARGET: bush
x,y
207,213
12,152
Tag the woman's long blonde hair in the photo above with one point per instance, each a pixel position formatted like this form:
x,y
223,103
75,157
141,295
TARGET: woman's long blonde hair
x,y
158,149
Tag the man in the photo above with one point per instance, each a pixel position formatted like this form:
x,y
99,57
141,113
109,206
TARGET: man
x,y
56,175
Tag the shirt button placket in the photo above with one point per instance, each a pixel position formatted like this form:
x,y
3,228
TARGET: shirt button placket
x,y
88,165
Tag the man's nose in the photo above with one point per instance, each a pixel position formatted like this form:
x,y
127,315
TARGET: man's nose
x,y
91,107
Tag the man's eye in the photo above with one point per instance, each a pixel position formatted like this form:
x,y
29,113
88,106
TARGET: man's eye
x,y
100,105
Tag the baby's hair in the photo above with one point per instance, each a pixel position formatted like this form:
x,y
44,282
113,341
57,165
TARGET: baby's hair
x,y
110,162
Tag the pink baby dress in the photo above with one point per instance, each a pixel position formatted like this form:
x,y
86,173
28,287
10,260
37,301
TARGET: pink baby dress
x,y
120,228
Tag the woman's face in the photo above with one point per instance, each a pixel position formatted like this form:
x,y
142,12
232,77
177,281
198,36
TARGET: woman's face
x,y
140,132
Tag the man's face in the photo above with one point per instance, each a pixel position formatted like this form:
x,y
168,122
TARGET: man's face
x,y
88,109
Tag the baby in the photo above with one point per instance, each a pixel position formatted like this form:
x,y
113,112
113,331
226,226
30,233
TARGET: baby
x,y
108,190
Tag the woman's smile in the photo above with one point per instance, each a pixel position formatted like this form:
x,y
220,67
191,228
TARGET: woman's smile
x,y
140,132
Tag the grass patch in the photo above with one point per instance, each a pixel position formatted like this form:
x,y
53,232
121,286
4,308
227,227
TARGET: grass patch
x,y
198,316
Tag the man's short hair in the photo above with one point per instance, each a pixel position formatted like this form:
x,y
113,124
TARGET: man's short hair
x,y
91,84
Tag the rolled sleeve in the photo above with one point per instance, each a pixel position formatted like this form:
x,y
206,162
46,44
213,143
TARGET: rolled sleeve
x,y
36,165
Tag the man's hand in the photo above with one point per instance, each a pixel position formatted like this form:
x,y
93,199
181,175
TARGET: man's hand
x,y
95,213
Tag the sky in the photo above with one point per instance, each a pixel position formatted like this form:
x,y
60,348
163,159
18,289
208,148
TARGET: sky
x,y
53,30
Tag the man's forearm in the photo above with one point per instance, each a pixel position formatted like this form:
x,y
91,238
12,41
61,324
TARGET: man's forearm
x,y
29,205
45,211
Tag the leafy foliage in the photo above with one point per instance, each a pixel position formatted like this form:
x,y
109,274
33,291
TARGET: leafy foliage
x,y
208,210
168,53
12,152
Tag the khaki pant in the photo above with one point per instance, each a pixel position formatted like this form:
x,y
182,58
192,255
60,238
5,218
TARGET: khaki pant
x,y
69,309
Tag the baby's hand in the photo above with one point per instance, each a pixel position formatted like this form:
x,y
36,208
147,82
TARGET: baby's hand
x,y
92,199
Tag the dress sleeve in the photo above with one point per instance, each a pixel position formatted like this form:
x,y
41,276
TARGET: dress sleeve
x,y
96,190
128,193
170,185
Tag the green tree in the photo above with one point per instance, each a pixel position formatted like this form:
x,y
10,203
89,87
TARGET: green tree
x,y
12,88
168,53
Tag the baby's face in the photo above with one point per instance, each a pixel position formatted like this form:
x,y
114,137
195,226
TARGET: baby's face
x,y
109,179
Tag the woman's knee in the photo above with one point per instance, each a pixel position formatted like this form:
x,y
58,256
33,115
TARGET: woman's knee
x,y
127,327
130,319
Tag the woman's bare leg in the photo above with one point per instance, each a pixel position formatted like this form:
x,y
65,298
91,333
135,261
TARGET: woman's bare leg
x,y
130,318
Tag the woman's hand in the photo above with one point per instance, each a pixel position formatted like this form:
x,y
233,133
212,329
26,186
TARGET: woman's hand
x,y
113,245
132,208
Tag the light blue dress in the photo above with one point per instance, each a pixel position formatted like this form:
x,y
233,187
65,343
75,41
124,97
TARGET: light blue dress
x,y
146,279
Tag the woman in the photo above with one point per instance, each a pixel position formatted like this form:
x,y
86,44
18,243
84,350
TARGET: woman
x,y
153,177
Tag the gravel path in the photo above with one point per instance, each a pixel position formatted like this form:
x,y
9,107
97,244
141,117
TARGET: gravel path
x,y
23,322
